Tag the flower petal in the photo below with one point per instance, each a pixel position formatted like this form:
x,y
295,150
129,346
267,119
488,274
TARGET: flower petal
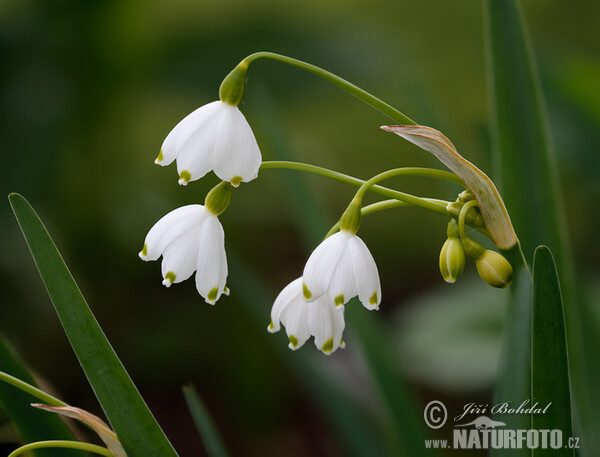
x,y
342,285
180,134
237,156
321,264
169,228
290,292
211,275
295,319
180,258
326,324
366,274
197,154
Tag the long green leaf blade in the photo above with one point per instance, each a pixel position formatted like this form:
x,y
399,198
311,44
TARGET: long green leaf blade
x,y
123,405
531,190
550,384
523,155
204,423
32,424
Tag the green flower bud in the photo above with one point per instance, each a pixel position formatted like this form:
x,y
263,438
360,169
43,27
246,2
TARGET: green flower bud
x,y
234,85
494,269
452,260
217,200
352,217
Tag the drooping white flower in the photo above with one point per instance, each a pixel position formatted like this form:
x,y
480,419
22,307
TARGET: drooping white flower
x,y
342,267
215,137
319,318
190,239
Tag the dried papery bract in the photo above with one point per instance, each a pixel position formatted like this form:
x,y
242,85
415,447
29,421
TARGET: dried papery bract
x,y
491,205
94,422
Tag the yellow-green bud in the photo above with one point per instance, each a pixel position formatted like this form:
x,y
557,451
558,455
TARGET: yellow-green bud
x,y
352,217
494,269
234,85
217,200
452,260
452,231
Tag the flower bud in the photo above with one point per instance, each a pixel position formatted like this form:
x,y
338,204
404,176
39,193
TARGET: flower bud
x,y
452,260
494,269
234,85
217,200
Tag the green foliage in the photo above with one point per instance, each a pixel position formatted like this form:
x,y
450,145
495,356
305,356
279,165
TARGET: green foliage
x,y
125,409
204,423
32,424
524,159
549,360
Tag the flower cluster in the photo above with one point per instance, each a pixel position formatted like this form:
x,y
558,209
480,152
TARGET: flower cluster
x,y
216,137
340,268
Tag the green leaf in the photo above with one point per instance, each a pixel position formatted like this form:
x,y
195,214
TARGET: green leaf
x,y
531,190
32,424
550,383
523,154
123,405
204,423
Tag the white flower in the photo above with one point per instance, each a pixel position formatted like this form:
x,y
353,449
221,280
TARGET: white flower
x,y
190,239
214,137
319,318
342,267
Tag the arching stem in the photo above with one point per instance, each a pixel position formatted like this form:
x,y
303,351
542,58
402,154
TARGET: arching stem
x,y
64,445
340,82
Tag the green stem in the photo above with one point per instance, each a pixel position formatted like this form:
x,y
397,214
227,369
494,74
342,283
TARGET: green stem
x,y
62,444
414,171
437,206
379,206
31,390
461,218
340,82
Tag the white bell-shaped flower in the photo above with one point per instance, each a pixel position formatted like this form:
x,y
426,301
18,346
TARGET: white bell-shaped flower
x,y
214,137
190,239
319,318
342,267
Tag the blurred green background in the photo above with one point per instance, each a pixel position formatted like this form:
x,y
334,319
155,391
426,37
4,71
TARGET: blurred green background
x,y
90,89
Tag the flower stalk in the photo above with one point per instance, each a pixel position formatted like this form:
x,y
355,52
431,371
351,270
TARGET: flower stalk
x,y
335,79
